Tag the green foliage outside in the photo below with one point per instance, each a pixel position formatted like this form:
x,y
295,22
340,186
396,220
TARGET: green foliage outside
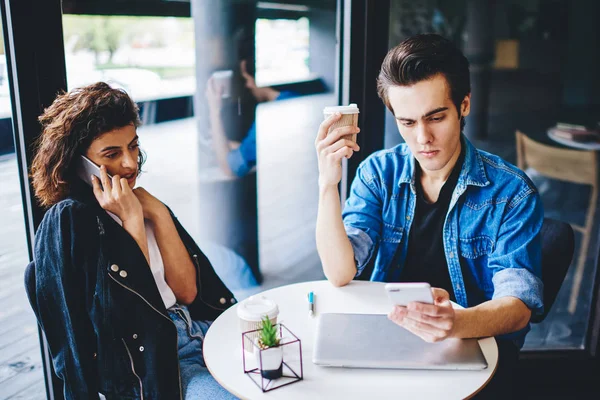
x,y
107,34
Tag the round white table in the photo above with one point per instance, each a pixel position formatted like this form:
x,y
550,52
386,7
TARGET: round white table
x,y
223,352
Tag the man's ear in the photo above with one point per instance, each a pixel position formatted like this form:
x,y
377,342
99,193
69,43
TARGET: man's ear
x,y
465,106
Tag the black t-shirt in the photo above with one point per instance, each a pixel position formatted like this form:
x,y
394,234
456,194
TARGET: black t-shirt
x,y
425,259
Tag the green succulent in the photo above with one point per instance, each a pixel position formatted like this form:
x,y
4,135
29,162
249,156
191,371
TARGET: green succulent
x,y
268,333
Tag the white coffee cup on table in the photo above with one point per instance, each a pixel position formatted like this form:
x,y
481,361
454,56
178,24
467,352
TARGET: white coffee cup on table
x,y
251,312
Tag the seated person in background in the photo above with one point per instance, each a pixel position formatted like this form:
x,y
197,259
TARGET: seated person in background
x,y
117,278
234,158
435,209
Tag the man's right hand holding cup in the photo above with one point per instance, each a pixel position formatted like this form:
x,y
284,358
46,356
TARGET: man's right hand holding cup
x,y
332,147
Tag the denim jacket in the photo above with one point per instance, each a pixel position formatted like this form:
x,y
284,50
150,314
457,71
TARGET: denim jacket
x,y
491,233
100,309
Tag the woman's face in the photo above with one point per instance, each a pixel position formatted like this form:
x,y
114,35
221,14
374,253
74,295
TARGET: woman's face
x,y
119,151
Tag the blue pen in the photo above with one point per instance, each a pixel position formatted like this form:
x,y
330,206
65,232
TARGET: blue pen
x,y
311,304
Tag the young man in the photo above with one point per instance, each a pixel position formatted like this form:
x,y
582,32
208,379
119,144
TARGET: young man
x,y
435,208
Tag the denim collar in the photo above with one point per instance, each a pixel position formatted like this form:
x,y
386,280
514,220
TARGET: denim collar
x,y
472,172
82,192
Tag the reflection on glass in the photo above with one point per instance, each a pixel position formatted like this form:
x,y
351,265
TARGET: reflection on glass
x,y
520,83
237,158
226,98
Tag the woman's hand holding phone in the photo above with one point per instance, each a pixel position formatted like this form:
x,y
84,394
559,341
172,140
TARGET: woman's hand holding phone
x,y
117,197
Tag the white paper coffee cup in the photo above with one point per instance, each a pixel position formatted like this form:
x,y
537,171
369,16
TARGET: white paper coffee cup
x,y
349,118
251,312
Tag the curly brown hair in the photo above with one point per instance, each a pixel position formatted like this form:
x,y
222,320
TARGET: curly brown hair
x,y
69,126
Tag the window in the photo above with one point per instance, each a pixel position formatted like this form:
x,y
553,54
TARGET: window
x,y
282,50
149,57
21,373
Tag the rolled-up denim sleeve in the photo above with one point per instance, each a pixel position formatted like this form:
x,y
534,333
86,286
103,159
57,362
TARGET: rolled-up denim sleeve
x,y
362,216
516,259
243,159
238,164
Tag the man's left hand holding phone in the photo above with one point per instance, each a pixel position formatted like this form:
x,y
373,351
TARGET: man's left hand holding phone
x,y
431,322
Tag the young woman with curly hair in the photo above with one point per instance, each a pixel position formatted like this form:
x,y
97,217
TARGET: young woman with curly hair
x,y
122,292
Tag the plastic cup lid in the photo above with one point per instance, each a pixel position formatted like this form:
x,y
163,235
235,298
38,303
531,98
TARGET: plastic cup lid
x,y
349,109
255,308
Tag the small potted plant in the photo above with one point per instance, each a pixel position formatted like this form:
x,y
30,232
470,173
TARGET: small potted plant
x,y
271,355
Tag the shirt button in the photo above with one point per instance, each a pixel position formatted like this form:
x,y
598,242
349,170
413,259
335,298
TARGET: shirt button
x,y
95,355
123,274
135,336
232,300
114,268
451,255
408,217
222,300
457,287
141,348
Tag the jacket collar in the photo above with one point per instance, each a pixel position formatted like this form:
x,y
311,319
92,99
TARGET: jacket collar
x,y
83,192
472,171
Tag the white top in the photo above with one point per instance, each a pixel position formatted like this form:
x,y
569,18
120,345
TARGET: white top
x,y
349,109
156,263
223,352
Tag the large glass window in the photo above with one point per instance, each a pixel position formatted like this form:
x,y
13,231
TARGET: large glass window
x,y
21,373
231,176
532,68
282,50
229,116
149,57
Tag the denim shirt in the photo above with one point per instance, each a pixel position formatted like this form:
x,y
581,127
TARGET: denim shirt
x,y
491,233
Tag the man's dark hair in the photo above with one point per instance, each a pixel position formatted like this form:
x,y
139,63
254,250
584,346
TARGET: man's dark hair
x,y
421,57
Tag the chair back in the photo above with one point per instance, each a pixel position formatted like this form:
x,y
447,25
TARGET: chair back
x,y
558,246
567,165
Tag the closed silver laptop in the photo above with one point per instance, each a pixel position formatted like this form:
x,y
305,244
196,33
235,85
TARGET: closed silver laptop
x,y
373,341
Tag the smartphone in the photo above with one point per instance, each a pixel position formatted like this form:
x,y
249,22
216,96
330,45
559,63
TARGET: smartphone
x,y
223,79
403,293
86,168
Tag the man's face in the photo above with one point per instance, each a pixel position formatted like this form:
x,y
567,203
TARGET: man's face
x,y
428,121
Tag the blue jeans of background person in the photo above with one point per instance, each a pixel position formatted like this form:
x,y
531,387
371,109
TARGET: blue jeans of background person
x,y
196,380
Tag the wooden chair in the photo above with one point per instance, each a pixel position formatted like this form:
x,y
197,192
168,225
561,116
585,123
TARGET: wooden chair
x,y
573,166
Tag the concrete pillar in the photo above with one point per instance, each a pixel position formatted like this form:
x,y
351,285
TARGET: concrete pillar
x,y
479,49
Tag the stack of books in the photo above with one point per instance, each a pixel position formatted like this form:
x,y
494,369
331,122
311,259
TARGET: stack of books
x,y
576,133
